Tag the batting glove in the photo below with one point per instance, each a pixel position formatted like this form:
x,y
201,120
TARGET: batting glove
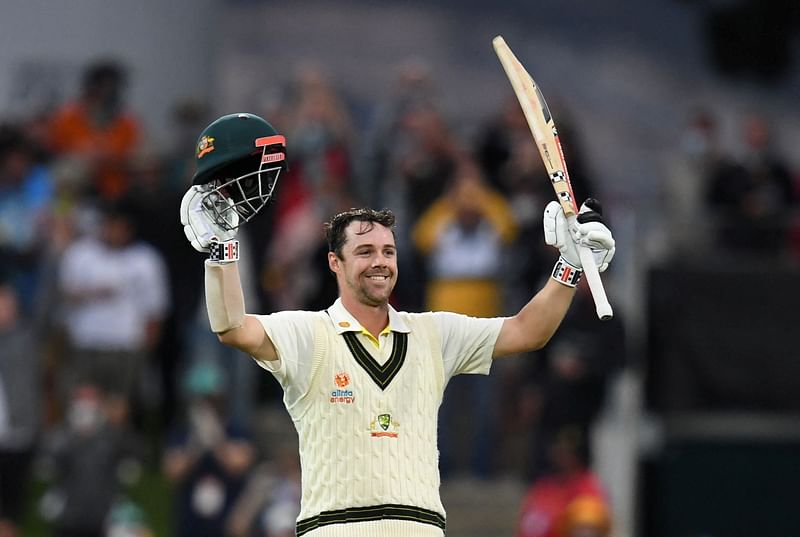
x,y
588,230
198,219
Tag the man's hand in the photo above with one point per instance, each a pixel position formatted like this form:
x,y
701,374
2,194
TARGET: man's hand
x,y
589,230
198,218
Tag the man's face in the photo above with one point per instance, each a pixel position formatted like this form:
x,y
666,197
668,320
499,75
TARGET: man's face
x,y
367,270
117,231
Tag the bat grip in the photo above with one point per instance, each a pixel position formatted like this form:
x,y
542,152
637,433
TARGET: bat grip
x,y
604,311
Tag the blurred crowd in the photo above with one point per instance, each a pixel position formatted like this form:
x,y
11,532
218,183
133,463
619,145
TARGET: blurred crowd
x,y
108,370
739,203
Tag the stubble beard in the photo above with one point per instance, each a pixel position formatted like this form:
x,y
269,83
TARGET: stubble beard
x,y
365,297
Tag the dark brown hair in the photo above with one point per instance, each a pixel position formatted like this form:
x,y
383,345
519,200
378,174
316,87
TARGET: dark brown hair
x,y
335,228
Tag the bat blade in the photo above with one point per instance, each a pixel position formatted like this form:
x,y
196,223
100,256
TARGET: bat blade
x,y
545,135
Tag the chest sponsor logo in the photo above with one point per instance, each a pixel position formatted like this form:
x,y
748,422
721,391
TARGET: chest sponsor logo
x,y
341,394
341,379
383,426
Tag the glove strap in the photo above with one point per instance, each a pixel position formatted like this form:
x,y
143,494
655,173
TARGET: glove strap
x,y
224,252
566,273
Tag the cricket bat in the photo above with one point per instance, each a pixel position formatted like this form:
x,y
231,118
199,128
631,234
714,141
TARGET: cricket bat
x,y
544,132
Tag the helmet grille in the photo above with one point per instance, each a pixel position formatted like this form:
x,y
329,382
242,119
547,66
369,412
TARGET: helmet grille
x,y
246,186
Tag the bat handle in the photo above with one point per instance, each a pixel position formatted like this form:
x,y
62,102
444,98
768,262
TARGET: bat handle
x,y
604,311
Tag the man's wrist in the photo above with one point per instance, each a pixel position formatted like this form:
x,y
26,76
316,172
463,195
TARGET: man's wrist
x,y
566,273
224,252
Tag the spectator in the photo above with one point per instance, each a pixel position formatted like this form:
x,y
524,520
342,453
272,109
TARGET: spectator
x,y
207,457
98,130
322,133
698,161
754,200
91,462
425,157
114,289
546,508
26,194
463,235
412,87
20,412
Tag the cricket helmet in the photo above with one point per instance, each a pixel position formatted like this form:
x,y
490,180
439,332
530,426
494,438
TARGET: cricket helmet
x,y
239,158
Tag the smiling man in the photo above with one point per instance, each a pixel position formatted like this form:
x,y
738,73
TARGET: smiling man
x,y
362,381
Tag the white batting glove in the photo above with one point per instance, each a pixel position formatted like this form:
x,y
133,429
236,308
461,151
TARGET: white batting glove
x,y
588,230
198,218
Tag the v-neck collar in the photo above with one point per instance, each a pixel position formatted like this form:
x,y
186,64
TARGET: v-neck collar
x,y
347,326
382,375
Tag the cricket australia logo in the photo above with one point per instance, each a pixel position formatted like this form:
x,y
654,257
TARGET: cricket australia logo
x,y
341,394
384,426
205,146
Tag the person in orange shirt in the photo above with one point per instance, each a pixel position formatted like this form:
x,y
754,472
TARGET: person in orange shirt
x,y
98,130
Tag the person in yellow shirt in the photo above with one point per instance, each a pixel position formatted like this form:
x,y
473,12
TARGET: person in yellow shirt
x,y
462,235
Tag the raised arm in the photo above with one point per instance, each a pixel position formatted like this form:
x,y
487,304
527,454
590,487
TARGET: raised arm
x,y
223,288
226,312
537,321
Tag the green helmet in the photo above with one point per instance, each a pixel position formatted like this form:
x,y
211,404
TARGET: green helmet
x,y
239,158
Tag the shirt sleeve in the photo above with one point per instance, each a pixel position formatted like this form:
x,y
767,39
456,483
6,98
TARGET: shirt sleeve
x,y
467,342
292,334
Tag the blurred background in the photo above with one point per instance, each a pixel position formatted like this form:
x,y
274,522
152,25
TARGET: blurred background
x,y
121,414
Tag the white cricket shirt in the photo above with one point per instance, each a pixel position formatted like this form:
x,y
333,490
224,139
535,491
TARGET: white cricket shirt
x,y
366,416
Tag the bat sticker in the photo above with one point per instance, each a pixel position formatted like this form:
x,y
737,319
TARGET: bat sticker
x,y
548,117
557,176
564,195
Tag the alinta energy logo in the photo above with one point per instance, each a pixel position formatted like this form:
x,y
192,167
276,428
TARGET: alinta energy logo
x,y
341,394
